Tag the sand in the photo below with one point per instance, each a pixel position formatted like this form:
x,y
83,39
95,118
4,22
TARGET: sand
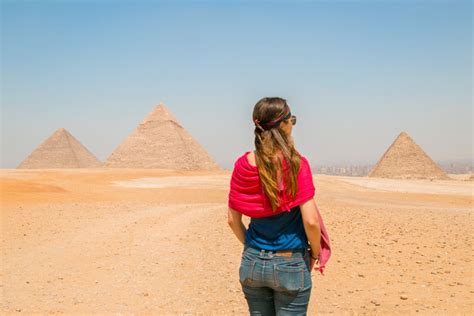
x,y
442,187
157,242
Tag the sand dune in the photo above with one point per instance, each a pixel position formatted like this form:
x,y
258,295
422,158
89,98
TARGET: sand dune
x,y
157,241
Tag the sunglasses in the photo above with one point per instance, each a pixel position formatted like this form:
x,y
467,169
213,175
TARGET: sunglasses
x,y
293,119
276,123
289,116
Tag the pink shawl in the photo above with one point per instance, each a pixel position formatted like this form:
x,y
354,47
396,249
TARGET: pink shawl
x,y
246,196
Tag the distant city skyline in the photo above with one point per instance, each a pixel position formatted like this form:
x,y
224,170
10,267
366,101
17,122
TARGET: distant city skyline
x,y
355,73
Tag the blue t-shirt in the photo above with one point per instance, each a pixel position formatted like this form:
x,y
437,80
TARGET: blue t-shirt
x,y
278,232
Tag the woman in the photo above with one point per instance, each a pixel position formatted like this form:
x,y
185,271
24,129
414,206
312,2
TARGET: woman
x,y
286,236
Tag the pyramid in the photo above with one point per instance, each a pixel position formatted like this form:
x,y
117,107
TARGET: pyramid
x,y
160,141
60,150
404,159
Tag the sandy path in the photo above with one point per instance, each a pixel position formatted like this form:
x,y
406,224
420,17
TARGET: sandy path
x,y
169,251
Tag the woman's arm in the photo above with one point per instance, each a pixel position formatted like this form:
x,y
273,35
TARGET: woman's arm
x,y
311,226
234,219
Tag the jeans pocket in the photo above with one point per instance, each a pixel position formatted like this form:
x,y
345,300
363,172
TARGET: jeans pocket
x,y
246,271
289,275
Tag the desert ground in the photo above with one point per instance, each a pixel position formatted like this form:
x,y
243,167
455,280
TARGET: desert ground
x,y
103,241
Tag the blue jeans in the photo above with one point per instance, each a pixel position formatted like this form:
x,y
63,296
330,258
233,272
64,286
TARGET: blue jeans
x,y
275,285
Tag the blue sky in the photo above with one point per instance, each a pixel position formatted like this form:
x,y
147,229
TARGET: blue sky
x,y
355,73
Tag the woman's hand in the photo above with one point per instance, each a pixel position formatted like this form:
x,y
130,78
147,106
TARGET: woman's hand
x,y
314,259
314,264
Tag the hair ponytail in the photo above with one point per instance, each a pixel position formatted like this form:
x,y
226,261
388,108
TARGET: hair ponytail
x,y
272,145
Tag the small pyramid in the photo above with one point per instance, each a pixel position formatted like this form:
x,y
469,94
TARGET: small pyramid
x,y
60,150
404,159
160,141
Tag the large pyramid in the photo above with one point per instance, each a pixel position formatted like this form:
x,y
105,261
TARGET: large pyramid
x,y
404,159
160,141
60,150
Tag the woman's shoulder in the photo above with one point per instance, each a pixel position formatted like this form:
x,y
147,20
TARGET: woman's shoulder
x,y
304,163
247,159
250,156
302,157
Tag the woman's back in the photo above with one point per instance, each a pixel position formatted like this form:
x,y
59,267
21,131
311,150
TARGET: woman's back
x,y
278,232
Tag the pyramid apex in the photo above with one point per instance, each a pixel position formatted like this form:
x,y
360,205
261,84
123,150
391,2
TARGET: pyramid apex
x,y
403,133
62,130
162,107
403,137
159,113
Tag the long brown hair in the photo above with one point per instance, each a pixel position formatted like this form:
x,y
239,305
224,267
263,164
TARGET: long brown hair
x,y
271,145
